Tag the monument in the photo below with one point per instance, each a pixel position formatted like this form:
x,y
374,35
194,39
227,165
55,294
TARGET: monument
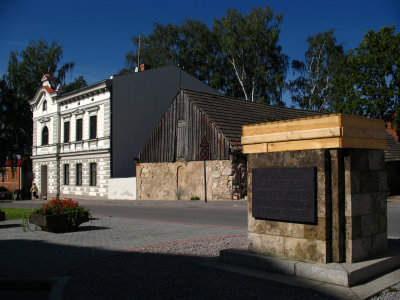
x,y
316,194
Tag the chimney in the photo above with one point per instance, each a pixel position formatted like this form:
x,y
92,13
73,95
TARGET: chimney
x,y
144,67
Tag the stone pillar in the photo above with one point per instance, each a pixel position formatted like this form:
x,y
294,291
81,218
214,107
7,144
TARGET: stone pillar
x,y
365,203
345,203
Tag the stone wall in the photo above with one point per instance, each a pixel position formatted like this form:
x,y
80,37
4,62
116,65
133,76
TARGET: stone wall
x,y
365,207
297,241
351,207
183,180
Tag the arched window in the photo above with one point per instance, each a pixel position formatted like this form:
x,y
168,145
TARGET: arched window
x,y
44,105
45,136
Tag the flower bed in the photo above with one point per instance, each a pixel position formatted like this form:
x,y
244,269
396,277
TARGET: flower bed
x,y
58,216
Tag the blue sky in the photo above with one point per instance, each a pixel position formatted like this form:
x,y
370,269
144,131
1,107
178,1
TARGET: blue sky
x,y
96,34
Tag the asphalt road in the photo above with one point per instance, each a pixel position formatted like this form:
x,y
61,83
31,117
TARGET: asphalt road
x,y
393,218
225,213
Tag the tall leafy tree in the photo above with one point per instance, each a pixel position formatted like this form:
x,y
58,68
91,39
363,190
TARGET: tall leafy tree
x,y
249,45
371,80
314,87
18,87
239,55
15,135
25,68
78,83
188,45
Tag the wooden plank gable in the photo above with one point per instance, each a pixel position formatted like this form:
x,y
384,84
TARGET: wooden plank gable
x,y
178,135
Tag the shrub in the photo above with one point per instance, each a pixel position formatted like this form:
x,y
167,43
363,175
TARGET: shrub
x,y
54,207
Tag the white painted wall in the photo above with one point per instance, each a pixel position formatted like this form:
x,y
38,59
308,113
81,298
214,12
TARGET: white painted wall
x,y
122,188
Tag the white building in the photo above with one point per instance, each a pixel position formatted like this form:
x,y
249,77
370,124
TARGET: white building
x,y
71,141
85,141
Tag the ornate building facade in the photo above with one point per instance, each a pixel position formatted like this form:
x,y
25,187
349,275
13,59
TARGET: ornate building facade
x,y
71,141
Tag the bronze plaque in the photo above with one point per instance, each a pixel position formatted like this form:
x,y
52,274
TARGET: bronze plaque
x,y
285,194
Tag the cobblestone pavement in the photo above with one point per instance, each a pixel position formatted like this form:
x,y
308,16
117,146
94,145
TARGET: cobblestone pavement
x,y
38,253
117,258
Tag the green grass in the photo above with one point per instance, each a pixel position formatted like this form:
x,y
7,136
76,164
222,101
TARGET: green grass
x,y
14,213
195,198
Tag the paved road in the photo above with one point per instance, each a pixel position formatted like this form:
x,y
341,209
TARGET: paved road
x,y
394,218
225,213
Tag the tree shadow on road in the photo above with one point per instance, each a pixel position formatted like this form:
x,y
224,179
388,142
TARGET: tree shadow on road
x,y
101,274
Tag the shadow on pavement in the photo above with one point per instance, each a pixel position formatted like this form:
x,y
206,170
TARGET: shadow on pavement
x,y
10,225
102,274
90,228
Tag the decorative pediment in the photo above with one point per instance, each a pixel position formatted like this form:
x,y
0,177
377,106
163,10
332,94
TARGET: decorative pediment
x,y
66,116
79,112
44,120
93,109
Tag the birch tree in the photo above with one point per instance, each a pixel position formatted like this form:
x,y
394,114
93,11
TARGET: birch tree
x,y
249,49
314,86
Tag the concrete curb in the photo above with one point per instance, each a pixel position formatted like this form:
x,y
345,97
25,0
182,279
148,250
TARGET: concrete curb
x,y
343,274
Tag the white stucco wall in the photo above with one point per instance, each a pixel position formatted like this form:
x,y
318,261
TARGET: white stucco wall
x,y
122,188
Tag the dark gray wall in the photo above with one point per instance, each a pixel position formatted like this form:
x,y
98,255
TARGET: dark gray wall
x,y
139,100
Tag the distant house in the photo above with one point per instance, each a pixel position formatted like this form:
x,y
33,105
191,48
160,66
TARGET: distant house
x,y
171,159
19,178
84,142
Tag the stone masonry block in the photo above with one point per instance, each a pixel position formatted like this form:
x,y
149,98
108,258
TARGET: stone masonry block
x,y
382,222
321,205
255,226
359,159
378,243
284,229
266,244
358,249
316,232
321,182
266,160
369,224
353,227
306,158
376,159
304,249
368,182
382,182
361,204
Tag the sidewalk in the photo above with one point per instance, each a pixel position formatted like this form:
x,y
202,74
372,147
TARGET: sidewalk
x,y
38,253
117,258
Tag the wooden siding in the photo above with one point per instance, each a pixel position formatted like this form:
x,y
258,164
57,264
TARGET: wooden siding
x,y
179,133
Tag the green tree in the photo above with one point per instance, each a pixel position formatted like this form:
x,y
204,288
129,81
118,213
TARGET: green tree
x,y
188,45
371,80
26,68
18,87
249,45
15,134
314,86
239,56
78,83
